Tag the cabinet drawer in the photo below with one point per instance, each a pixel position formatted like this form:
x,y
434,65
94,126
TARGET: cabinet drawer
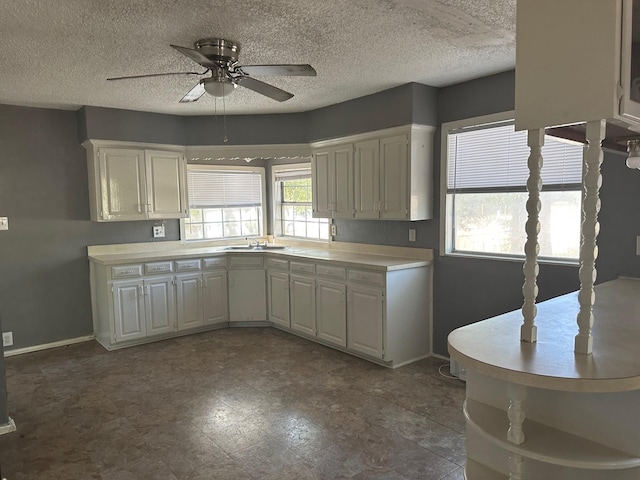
x,y
158,267
187,265
331,271
246,261
214,262
277,264
301,267
126,271
362,276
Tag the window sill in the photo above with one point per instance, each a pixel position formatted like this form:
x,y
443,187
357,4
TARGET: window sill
x,y
512,258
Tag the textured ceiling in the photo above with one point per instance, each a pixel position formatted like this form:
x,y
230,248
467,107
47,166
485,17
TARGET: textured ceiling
x,y
59,53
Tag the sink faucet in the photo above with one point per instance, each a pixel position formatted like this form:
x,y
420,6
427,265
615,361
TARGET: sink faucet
x,y
256,243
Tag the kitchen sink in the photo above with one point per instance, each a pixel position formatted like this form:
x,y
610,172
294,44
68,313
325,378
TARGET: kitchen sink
x,y
254,247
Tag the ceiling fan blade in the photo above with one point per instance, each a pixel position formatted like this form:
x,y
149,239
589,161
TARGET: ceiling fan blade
x,y
303,70
157,75
263,88
196,56
194,94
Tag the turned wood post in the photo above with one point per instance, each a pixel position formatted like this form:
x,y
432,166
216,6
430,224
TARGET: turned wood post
x,y
591,182
528,329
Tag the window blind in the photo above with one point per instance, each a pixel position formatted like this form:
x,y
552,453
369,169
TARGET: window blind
x,y
294,174
224,188
496,157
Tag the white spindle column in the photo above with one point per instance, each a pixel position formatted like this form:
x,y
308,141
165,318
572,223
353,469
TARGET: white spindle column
x,y
528,330
591,181
516,470
515,412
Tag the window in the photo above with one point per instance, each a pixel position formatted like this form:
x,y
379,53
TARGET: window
x,y
224,202
486,193
292,199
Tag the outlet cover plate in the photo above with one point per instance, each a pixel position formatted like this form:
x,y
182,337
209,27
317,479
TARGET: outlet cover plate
x,y
412,234
158,231
4,223
7,339
334,230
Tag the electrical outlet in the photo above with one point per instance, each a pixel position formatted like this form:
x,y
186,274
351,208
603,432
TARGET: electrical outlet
x,y
158,231
4,223
334,231
7,339
412,234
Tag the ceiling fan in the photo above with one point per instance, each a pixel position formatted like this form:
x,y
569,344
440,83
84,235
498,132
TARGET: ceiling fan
x,y
220,57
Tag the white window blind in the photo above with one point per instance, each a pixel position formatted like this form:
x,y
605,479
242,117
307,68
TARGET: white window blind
x,y
224,188
493,156
292,174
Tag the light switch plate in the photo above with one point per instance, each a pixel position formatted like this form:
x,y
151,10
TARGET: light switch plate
x,y
4,223
158,231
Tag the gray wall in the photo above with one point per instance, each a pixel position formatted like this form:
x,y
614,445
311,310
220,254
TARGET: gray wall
x,y
44,288
4,413
44,285
468,290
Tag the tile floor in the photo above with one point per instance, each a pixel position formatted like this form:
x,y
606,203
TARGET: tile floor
x,y
229,404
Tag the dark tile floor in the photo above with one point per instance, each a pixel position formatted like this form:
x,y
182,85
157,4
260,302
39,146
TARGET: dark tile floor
x,y
230,404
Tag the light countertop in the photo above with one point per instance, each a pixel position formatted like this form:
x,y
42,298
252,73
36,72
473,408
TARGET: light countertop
x,y
356,259
493,346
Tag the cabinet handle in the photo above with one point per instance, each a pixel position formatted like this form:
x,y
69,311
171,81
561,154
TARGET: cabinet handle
x,y
140,291
147,290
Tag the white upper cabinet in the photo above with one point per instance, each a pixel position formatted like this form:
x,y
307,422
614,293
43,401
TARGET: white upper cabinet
x,y
379,175
332,182
131,183
577,61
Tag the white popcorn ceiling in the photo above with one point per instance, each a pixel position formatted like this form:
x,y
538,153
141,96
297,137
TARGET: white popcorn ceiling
x,y
59,53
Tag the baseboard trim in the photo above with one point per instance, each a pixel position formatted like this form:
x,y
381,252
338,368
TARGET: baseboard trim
x,y
8,428
441,357
46,346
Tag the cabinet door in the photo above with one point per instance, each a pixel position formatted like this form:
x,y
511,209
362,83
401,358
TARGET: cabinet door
x,y
278,298
247,295
189,300
165,176
160,305
332,312
215,294
341,170
303,304
365,320
394,178
128,310
122,184
367,179
320,185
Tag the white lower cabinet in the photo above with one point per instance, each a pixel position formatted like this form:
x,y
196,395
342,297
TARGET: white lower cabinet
x,y
214,297
331,312
159,305
365,318
302,291
128,310
278,298
381,315
189,300
247,295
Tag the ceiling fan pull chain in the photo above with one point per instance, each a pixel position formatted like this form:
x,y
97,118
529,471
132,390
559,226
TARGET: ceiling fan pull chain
x,y
224,119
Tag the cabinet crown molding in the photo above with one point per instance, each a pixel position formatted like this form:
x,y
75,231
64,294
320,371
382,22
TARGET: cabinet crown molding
x,y
386,132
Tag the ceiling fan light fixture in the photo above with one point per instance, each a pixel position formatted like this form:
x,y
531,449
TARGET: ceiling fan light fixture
x,y
218,86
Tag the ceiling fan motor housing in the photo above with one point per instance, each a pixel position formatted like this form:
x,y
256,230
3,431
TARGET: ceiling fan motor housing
x,y
223,52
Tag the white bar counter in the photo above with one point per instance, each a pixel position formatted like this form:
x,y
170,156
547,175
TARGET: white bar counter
x,y
581,412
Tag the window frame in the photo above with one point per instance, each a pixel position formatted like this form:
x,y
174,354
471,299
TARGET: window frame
x,y
240,168
276,204
446,208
